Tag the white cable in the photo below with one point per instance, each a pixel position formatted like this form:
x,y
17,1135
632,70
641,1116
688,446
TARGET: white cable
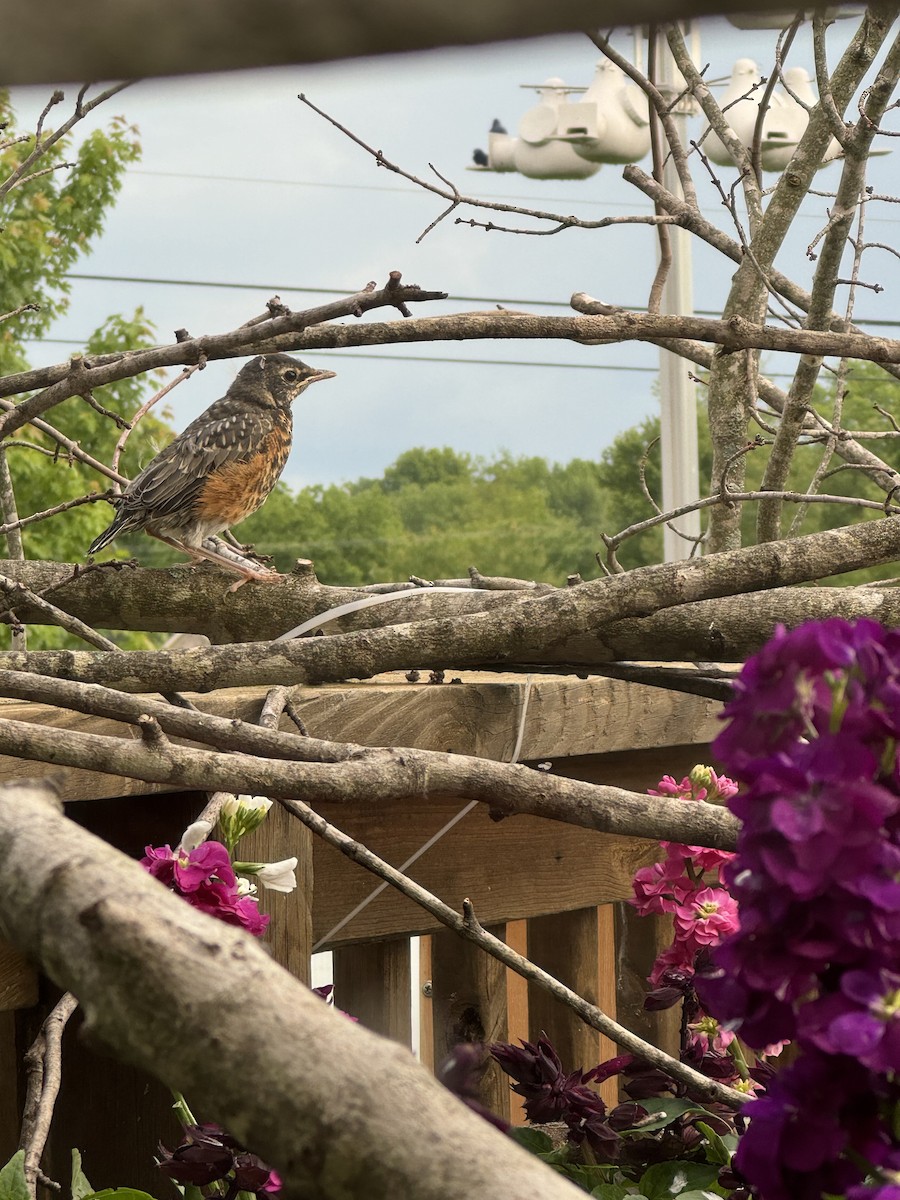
x,y
365,602
517,749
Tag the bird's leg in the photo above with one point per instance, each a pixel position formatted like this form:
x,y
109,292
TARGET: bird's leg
x,y
199,554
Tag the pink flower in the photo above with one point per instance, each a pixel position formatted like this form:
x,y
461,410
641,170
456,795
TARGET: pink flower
x,y
705,918
658,889
668,787
678,957
709,1035
702,859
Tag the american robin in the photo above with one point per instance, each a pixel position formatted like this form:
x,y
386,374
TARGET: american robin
x,y
221,468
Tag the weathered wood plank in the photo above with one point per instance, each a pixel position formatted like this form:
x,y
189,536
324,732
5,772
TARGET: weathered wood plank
x,y
18,980
565,717
519,867
289,935
372,982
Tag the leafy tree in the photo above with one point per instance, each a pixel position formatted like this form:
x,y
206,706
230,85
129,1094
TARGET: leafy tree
x,y
48,222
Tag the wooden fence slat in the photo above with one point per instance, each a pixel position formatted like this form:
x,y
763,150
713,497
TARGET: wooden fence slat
x,y
372,983
18,980
639,940
578,949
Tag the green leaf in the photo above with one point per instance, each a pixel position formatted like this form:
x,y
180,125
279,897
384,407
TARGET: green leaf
x,y
12,1179
122,1193
80,1186
667,1109
716,1150
664,1180
534,1140
610,1191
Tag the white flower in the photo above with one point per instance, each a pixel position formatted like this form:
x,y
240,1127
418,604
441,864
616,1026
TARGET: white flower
x,y
257,804
245,887
195,835
279,876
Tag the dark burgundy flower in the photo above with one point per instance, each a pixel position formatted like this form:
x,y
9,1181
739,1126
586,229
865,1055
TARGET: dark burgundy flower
x,y
207,1154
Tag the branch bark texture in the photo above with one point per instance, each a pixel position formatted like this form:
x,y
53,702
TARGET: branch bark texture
x,y
202,1007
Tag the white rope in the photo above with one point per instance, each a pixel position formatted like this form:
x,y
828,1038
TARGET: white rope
x,y
517,749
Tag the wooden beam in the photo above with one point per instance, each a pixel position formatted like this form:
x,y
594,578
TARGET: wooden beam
x,y
566,717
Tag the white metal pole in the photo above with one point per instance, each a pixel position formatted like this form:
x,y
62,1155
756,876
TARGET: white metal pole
x,y
678,416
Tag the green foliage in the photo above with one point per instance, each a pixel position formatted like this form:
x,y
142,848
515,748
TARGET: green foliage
x,y
47,223
52,220
436,512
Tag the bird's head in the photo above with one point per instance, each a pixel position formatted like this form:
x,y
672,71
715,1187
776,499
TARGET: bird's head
x,y
279,378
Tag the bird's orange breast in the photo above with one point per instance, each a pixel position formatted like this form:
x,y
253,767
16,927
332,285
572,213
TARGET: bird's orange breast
x,y
237,489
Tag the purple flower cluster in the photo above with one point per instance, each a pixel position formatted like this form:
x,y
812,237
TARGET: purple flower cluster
x,y
205,877
210,1158
813,733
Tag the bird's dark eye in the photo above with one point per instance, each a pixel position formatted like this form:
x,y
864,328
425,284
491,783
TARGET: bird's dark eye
x,y
290,376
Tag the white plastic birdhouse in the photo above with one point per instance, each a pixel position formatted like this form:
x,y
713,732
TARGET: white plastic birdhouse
x,y
610,122
740,105
537,152
784,122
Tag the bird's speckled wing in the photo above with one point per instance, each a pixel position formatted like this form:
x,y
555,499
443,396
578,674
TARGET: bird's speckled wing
x,y
226,433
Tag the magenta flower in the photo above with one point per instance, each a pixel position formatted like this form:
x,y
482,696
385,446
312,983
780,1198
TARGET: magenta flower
x,y
205,878
188,870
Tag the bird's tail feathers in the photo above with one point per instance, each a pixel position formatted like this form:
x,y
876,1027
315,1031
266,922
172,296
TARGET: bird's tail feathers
x,y
120,524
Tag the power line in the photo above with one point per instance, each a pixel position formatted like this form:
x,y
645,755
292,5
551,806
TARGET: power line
x,y
413,191
321,291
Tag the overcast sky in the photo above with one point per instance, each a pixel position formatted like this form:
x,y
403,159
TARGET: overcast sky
x,y
242,186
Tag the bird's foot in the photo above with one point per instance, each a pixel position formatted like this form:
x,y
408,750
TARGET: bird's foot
x,y
257,577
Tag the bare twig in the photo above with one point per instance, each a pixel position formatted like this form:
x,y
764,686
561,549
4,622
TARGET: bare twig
x,y
467,925
43,1063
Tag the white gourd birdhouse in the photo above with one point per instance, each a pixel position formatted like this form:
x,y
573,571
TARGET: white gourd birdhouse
x,y
740,106
611,121
536,152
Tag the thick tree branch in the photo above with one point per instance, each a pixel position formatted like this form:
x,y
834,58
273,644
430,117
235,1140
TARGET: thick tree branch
x,y
171,38
727,629
297,333
510,633
201,1006
394,774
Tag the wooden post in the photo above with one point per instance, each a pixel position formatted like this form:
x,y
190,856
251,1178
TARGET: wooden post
x,y
639,941
289,935
372,983
578,949
469,1004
